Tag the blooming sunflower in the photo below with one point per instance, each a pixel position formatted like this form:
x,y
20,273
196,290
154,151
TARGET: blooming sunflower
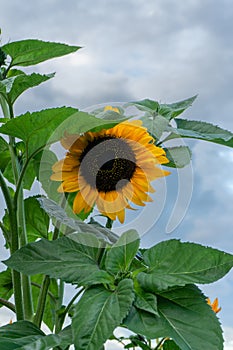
x,y
110,168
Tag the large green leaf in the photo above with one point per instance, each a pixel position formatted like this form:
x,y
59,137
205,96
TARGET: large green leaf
x,y
172,263
30,51
72,261
6,286
178,157
168,111
202,131
184,316
122,253
99,312
23,82
37,221
11,88
55,211
24,335
37,128
172,110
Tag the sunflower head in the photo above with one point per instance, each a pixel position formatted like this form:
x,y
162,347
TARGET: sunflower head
x,y
111,168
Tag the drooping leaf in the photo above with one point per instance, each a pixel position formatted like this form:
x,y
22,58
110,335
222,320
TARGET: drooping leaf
x,y
30,51
202,131
37,221
178,157
99,312
173,263
24,335
122,253
6,286
55,211
72,260
184,316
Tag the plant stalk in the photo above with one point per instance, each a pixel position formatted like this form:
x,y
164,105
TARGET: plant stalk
x,y
41,301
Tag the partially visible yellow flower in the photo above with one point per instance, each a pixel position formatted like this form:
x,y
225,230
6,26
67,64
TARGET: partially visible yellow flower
x,y
110,108
110,168
214,305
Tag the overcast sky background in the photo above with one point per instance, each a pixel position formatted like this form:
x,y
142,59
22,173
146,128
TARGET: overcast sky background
x,y
165,50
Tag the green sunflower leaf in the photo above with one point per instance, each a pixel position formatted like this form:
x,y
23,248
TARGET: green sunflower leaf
x,y
99,312
29,175
147,302
36,128
15,86
168,111
172,110
170,345
155,125
72,260
146,105
122,253
24,335
184,316
178,157
37,220
6,286
202,131
30,51
173,263
5,155
55,211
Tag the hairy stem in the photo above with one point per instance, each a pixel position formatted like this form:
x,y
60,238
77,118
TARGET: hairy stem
x,y
41,301
14,245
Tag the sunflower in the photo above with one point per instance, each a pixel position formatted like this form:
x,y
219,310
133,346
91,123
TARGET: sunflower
x,y
111,168
214,305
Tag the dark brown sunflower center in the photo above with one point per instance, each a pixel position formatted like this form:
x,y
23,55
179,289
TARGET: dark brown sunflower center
x,y
107,162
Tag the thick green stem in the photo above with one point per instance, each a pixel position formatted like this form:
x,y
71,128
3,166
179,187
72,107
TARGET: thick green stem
x,y
18,217
14,245
41,301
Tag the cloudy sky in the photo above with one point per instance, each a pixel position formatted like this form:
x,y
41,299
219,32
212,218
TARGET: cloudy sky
x,y
165,50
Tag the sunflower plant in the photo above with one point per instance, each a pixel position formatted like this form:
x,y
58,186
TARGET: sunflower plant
x,y
109,163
